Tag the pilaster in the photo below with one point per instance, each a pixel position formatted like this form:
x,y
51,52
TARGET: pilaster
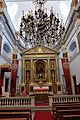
x,y
58,74
49,70
31,70
23,71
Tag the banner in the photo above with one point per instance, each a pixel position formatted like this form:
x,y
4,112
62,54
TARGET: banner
x,y
15,63
67,75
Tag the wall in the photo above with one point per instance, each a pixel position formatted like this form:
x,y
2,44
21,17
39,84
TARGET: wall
x,y
73,56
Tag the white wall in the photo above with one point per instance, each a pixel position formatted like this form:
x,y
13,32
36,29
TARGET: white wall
x,y
73,57
75,68
60,66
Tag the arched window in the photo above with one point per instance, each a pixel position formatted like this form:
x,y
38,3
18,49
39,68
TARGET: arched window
x,y
6,48
73,46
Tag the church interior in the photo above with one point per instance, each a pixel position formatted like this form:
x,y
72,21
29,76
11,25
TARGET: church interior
x,y
39,59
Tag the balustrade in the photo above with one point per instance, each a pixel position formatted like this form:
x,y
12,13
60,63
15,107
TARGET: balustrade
x,y
30,100
63,98
17,101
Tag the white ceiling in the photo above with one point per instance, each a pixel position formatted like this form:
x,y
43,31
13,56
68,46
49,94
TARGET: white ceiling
x,y
15,9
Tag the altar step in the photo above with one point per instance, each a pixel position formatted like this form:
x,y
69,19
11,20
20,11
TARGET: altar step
x,y
42,108
43,112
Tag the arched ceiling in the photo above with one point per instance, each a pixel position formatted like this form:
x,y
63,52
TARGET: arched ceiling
x,y
15,8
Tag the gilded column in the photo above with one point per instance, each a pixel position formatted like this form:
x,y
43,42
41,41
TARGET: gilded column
x,y
55,80
31,70
46,75
23,72
49,70
58,74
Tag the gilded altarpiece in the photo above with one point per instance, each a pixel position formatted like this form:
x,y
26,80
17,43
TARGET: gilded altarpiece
x,y
40,70
27,74
53,74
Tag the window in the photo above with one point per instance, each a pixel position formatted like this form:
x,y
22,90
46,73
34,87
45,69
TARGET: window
x,y
73,46
6,48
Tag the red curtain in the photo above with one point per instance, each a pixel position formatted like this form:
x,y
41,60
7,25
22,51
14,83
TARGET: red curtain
x,y
67,75
15,63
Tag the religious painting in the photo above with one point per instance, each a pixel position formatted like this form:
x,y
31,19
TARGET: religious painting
x,y
40,70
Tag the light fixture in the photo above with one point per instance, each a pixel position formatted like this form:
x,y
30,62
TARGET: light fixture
x,y
41,29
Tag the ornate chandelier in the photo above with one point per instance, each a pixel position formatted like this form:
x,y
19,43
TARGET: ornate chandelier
x,y
41,29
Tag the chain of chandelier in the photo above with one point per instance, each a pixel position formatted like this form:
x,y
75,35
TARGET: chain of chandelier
x,y
41,29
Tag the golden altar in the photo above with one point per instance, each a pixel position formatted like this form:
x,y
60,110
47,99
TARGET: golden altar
x,y
40,70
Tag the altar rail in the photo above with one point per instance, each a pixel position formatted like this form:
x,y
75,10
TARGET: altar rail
x,y
30,100
17,101
63,98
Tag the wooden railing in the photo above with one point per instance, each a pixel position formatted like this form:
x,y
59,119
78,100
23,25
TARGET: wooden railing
x,y
17,101
63,98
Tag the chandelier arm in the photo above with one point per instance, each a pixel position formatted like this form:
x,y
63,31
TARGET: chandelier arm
x,y
41,29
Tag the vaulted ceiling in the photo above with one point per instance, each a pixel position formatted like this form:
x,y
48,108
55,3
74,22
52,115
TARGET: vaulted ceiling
x,y
15,8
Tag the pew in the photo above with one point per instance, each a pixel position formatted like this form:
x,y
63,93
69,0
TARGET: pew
x,y
63,107
71,117
61,113
66,108
15,112
58,106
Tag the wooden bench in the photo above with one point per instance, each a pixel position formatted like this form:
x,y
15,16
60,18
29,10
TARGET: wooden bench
x,y
15,112
61,113
71,117
64,106
67,103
